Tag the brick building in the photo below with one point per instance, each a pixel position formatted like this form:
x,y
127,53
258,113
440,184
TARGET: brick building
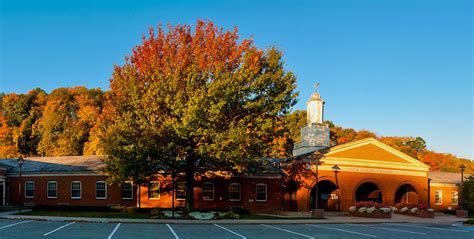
x,y
364,170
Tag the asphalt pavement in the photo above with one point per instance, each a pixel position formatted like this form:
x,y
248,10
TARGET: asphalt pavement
x,y
27,229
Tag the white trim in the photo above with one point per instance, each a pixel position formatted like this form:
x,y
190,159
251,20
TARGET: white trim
x,y
256,192
457,198
131,190
159,190
176,191
240,192
80,190
440,197
101,198
55,189
208,199
33,189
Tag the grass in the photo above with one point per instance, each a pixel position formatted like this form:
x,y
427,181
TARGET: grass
x,y
135,215
87,214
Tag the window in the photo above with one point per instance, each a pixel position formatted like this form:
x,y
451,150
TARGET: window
x,y
208,191
181,191
261,189
100,190
127,190
154,190
76,190
438,197
234,192
29,189
52,189
454,198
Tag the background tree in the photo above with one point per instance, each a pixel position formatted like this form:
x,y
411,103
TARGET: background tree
x,y
216,100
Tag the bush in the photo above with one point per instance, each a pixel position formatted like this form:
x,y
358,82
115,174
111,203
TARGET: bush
x,y
467,194
67,208
228,215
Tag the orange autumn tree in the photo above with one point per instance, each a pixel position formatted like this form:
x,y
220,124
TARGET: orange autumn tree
x,y
200,96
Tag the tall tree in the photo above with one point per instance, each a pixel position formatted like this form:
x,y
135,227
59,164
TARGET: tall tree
x,y
199,95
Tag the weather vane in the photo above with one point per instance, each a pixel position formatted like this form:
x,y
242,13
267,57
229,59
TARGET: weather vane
x,y
316,85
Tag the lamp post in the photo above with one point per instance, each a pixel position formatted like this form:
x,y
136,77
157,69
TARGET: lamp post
x,y
336,170
462,168
429,192
20,162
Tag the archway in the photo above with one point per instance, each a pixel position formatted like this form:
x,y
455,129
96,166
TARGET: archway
x,y
406,193
368,191
328,196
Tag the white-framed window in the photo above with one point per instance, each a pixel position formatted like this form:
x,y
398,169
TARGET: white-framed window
x,y
454,198
208,191
438,197
29,189
181,191
127,190
52,189
234,192
154,190
261,192
76,189
100,190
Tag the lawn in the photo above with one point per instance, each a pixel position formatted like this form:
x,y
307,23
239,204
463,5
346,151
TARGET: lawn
x,y
139,215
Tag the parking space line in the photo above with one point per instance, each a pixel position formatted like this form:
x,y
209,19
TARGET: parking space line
x,y
292,232
436,228
235,233
59,228
172,231
388,229
341,230
14,224
113,232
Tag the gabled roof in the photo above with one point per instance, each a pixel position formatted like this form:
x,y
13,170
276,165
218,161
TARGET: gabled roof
x,y
371,155
62,164
445,177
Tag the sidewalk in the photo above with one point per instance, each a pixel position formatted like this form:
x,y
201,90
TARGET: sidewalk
x,y
396,218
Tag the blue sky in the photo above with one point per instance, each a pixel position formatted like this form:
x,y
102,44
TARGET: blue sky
x,y
394,67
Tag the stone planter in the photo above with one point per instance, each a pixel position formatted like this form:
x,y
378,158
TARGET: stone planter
x,y
419,213
462,213
317,213
375,214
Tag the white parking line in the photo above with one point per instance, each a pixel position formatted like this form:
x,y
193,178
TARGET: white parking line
x,y
59,228
388,229
14,224
341,230
172,231
292,232
113,232
235,233
436,228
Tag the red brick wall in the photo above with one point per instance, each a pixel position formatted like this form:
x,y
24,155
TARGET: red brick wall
x,y
446,197
221,195
114,192
349,181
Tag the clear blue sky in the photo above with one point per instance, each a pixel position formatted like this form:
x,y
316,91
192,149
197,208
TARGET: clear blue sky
x,y
394,67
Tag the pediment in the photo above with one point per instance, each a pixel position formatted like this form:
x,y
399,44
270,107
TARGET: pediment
x,y
372,152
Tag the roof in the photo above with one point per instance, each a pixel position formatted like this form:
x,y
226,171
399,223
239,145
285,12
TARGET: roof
x,y
445,177
62,164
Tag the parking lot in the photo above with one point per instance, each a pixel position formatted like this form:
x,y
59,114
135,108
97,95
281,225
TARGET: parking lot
x,y
54,229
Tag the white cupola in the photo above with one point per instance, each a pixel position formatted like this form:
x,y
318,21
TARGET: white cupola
x,y
315,109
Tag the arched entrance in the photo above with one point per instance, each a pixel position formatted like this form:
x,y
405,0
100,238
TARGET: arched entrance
x,y
406,193
368,191
328,196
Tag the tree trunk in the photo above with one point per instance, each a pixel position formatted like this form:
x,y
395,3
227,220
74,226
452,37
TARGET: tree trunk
x,y
190,170
138,195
